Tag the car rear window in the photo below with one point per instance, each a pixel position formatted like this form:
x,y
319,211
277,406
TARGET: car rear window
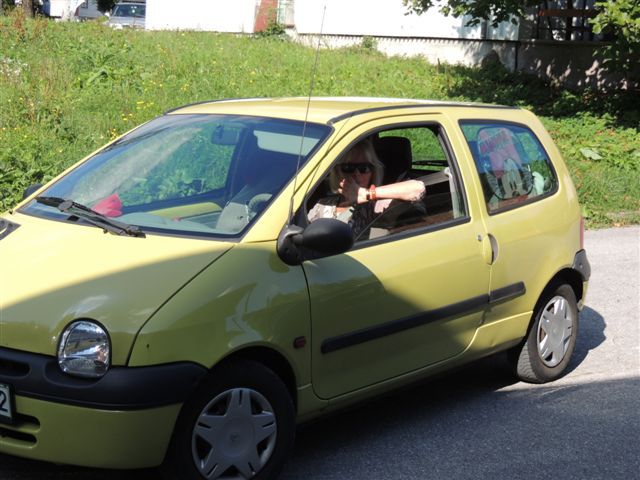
x,y
513,166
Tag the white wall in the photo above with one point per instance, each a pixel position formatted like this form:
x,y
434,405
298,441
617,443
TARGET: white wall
x,y
342,17
62,8
386,18
236,16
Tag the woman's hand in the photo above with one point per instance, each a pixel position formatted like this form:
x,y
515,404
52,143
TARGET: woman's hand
x,y
349,190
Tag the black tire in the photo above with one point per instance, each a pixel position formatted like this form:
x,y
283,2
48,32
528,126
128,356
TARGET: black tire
x,y
543,356
227,407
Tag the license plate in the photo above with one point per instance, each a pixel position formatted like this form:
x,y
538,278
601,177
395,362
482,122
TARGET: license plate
x,y
6,409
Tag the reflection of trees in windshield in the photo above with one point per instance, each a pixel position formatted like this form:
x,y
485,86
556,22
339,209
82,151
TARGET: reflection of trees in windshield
x,y
131,166
129,11
195,166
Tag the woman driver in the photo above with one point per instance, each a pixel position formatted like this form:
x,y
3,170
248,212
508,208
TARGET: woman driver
x,y
358,196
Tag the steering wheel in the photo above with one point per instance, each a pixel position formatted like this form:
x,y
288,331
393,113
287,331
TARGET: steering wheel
x,y
237,215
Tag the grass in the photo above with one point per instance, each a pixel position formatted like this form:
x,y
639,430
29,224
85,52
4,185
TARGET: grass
x,y
66,89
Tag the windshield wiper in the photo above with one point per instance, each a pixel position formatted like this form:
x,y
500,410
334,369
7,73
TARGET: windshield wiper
x,y
91,216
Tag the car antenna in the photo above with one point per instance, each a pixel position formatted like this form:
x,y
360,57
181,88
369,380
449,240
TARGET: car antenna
x,y
306,115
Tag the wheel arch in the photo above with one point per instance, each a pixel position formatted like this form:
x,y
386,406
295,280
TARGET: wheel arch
x,y
270,358
569,276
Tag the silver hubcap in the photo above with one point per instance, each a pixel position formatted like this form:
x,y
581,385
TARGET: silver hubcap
x,y
234,436
554,331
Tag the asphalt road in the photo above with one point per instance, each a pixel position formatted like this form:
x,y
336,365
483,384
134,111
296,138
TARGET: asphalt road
x,y
478,422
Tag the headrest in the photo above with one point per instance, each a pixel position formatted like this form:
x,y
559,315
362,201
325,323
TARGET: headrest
x,y
266,166
395,154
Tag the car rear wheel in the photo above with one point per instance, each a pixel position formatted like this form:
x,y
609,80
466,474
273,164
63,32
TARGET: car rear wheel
x,y
239,425
547,350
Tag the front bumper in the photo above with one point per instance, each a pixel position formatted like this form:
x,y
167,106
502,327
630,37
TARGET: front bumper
x,y
60,433
122,420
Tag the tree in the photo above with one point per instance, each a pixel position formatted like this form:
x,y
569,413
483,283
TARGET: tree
x,y
494,10
106,5
27,6
619,19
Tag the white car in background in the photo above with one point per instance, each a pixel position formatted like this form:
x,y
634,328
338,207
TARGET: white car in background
x,y
128,14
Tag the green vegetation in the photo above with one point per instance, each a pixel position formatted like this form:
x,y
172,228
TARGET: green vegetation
x,y
617,20
620,20
66,89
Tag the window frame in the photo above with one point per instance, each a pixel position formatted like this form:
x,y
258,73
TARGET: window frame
x,y
507,124
453,164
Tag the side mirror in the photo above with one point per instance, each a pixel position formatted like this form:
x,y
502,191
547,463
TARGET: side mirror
x,y
31,189
322,238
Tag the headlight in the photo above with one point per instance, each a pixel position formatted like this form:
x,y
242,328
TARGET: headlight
x,y
84,350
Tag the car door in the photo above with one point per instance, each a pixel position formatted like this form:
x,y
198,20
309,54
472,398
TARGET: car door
x,y
526,218
400,302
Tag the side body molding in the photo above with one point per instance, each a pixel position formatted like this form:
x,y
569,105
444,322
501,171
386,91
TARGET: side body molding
x,y
395,326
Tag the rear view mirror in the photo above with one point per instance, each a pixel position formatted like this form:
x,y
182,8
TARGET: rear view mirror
x,y
226,135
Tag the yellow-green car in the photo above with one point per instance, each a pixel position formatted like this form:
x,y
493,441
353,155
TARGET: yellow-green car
x,y
167,301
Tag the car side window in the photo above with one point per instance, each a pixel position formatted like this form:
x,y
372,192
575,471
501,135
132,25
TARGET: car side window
x,y
443,200
512,164
413,153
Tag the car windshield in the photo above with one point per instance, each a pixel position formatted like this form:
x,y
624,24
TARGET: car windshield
x,y
209,175
136,11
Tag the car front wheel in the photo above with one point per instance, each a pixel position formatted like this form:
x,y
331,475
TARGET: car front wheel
x,y
239,425
545,354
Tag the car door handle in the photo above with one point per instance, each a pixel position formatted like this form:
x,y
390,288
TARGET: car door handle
x,y
494,248
489,248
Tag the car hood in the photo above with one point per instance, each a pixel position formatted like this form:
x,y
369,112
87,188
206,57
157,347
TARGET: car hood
x,y
53,272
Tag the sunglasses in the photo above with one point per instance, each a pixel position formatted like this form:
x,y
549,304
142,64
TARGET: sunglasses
x,y
352,167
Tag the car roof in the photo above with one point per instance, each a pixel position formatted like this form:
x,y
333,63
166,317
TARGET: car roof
x,y
326,110
131,2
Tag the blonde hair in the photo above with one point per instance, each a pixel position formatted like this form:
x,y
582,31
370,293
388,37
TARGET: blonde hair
x,y
369,153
